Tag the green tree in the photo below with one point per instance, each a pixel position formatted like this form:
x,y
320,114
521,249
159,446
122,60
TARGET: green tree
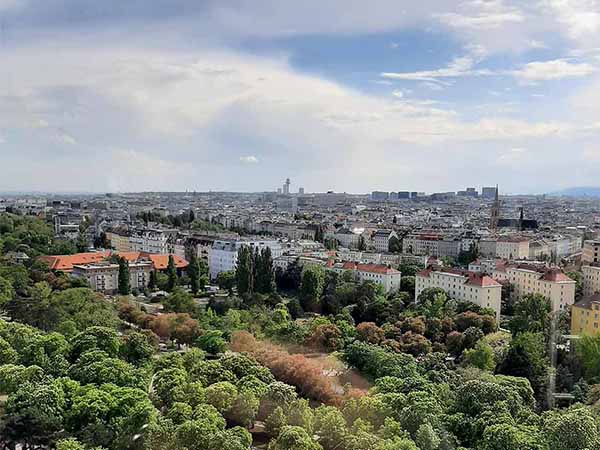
x,y
136,348
311,286
179,301
427,438
244,271
152,284
124,281
96,338
362,245
265,276
394,245
171,274
226,280
588,351
193,272
572,429
212,342
6,291
578,277
531,313
294,438
221,395
34,415
481,356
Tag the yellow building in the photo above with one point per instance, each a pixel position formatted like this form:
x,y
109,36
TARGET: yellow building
x,y
585,316
119,241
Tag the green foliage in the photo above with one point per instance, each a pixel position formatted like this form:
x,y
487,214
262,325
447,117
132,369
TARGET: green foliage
x,y
588,351
377,362
96,338
226,280
124,281
179,301
481,356
294,438
531,313
212,342
171,274
244,272
311,286
221,395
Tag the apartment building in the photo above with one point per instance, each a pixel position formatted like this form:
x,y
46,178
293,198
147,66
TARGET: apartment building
x,y
536,279
380,239
462,285
485,265
512,247
591,252
432,245
119,240
103,276
585,316
591,279
385,276
222,256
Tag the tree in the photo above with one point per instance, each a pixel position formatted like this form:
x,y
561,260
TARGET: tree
x,y
244,271
124,281
96,338
212,342
136,348
221,395
6,291
193,272
265,276
532,313
427,438
311,286
152,284
171,274
578,277
588,351
572,429
227,280
179,301
34,414
294,438
394,245
362,245
481,356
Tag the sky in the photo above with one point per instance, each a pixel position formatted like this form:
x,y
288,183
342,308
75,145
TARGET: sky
x,y
344,95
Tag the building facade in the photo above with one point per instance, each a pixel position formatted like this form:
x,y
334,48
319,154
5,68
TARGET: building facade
x,y
552,283
591,252
222,256
462,285
585,316
104,276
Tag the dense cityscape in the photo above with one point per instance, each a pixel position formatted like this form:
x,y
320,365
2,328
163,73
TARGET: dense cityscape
x,y
390,320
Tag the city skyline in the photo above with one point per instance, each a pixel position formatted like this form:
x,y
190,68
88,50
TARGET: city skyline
x,y
170,96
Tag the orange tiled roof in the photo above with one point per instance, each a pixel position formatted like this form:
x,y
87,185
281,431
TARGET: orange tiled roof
x,y
372,268
65,263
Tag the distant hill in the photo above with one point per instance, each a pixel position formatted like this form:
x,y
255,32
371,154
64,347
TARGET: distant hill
x,y
577,192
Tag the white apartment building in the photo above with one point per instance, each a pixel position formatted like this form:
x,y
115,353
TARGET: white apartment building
x,y
591,280
387,277
150,241
103,276
512,247
222,256
348,238
462,285
484,265
381,239
534,279
431,245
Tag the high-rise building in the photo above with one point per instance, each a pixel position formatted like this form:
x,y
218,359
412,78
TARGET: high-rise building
x,y
488,193
286,187
301,191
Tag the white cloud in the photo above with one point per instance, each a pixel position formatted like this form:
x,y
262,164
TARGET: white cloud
x,y
580,18
251,159
398,94
185,111
459,67
482,15
553,70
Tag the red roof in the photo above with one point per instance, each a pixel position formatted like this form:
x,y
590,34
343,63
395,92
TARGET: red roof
x,y
65,263
555,275
471,278
482,281
160,262
372,268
